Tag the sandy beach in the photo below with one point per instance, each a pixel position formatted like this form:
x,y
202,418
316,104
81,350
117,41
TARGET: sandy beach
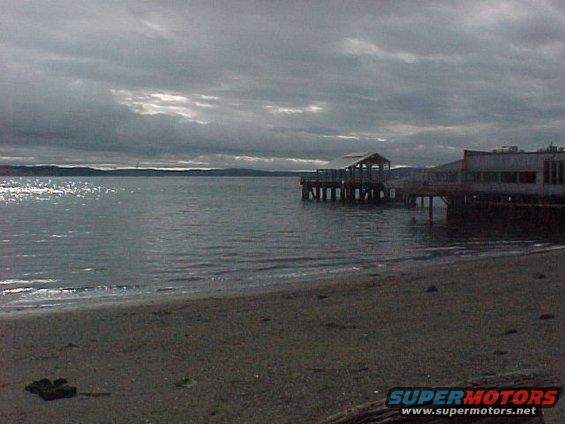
x,y
294,355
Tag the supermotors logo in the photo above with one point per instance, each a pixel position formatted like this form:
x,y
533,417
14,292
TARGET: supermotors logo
x,y
475,396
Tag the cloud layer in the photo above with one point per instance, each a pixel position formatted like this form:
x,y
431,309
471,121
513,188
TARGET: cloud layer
x,y
277,85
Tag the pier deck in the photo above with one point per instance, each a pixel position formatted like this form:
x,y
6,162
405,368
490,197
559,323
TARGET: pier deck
x,y
344,189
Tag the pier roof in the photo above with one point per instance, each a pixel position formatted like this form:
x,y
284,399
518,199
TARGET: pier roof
x,y
353,159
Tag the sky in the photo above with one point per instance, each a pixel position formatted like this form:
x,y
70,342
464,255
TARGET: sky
x,y
282,85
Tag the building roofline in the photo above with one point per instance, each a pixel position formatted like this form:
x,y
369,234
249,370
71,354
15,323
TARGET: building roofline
x,y
481,152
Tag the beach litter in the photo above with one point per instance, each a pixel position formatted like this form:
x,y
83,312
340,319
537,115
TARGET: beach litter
x,y
48,390
186,383
95,394
546,316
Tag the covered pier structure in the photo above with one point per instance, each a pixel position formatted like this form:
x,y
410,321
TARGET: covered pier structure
x,y
355,176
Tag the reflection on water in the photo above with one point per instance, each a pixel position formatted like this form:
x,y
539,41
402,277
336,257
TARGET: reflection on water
x,y
16,190
73,239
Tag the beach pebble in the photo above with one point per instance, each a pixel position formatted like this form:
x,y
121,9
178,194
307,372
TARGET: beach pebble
x,y
431,289
540,275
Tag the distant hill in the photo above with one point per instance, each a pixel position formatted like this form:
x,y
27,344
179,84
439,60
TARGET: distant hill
x,y
60,171
405,171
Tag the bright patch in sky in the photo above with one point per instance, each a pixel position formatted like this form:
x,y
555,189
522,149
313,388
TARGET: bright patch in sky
x,y
149,103
294,110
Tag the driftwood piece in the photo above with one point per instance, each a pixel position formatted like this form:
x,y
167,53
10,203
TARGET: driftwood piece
x,y
377,412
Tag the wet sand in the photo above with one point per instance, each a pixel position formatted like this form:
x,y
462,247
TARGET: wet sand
x,y
289,356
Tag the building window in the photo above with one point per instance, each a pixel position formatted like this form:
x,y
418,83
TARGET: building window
x,y
553,172
490,177
527,177
508,177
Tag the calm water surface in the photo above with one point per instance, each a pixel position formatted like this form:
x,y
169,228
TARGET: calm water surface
x,y
71,240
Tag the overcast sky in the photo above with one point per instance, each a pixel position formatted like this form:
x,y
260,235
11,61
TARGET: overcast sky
x,y
276,84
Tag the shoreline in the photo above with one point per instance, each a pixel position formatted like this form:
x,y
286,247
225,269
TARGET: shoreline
x,y
292,355
261,289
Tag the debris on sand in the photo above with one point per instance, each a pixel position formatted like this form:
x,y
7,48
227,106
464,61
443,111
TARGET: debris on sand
x,y
315,369
95,394
546,316
540,275
361,369
185,383
431,289
48,390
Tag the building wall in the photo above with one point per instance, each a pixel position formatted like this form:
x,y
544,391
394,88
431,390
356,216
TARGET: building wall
x,y
481,171
509,161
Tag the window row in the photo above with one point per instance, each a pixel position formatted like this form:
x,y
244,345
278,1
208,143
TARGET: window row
x,y
553,172
523,177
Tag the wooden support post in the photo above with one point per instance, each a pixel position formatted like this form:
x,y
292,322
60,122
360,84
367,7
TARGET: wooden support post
x,y
431,209
305,192
422,201
324,193
333,190
318,193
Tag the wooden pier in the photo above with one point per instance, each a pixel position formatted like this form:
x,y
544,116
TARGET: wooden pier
x,y
462,202
508,184
357,176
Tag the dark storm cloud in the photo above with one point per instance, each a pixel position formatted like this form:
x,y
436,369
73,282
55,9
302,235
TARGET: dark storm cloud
x,y
276,84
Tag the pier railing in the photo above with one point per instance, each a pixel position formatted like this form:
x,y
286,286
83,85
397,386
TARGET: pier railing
x,y
328,179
